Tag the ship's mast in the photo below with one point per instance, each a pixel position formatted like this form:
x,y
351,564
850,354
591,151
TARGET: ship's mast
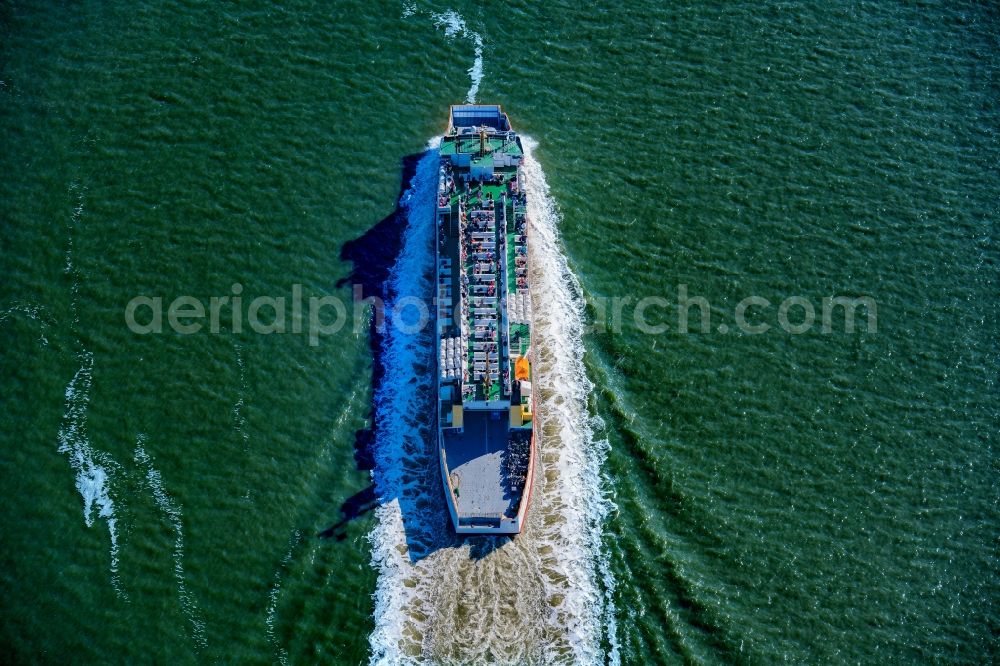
x,y
482,140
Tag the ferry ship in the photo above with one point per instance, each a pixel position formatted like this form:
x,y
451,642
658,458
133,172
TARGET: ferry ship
x,y
485,412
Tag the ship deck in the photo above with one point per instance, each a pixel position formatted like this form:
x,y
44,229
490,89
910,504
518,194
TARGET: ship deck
x,y
483,270
475,458
471,145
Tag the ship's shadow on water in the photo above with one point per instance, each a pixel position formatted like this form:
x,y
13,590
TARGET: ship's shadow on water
x,y
373,256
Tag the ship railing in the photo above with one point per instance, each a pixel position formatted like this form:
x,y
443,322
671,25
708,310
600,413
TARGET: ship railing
x,y
492,519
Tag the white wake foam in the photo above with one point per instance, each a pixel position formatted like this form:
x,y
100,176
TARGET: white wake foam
x,y
92,468
36,313
74,221
545,596
272,605
558,344
239,420
455,26
172,510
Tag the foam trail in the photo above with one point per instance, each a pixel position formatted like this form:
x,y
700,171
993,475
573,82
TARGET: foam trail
x,y
545,596
453,25
69,268
239,420
172,510
35,313
560,326
91,468
272,604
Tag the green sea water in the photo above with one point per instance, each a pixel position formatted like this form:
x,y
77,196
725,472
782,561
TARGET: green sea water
x,y
803,498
